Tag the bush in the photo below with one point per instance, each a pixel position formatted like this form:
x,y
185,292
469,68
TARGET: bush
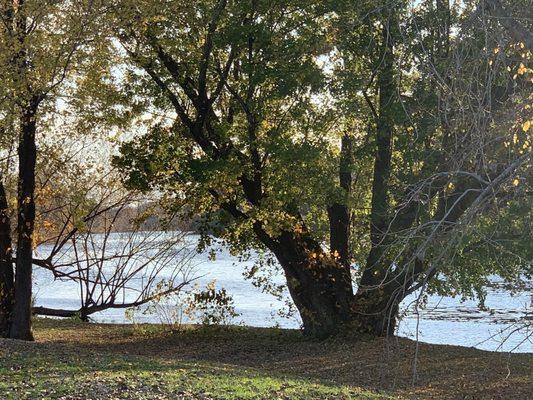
x,y
208,306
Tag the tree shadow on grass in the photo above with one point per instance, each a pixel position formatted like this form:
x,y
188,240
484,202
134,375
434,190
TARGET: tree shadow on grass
x,y
370,364
62,371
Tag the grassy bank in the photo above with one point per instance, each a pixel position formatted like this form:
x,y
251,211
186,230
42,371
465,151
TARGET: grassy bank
x,y
71,360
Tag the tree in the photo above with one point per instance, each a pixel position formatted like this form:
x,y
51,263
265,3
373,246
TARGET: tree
x,y
115,245
438,163
261,137
113,269
40,41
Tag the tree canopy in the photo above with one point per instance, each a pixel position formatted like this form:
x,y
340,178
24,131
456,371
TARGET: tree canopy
x,y
371,148
386,141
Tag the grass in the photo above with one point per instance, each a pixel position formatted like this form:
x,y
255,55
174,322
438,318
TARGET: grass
x,y
72,360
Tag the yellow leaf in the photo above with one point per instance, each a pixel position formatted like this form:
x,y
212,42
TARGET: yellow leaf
x,y
526,125
266,125
516,182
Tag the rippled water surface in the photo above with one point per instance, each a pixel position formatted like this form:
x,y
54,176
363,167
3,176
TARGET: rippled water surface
x,y
444,320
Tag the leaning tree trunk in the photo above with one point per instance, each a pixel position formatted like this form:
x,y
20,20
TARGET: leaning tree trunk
x,y
7,288
21,321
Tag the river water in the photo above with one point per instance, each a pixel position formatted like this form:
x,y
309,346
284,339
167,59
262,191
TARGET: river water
x,y
444,320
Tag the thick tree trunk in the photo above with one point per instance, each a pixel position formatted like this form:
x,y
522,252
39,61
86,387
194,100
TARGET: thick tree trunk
x,y
322,291
7,283
318,284
21,321
380,205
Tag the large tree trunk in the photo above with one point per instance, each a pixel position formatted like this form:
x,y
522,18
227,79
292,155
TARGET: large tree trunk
x,y
7,288
317,283
21,322
321,289
376,304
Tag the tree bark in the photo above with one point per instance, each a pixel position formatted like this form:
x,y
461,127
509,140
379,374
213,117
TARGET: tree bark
x,y
55,312
315,280
7,283
375,305
339,211
376,310
27,151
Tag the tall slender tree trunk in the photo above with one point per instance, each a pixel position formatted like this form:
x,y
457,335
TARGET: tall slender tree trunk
x,y
339,211
7,279
27,151
378,295
7,288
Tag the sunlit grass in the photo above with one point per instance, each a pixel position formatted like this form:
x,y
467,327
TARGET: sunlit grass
x,y
49,374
